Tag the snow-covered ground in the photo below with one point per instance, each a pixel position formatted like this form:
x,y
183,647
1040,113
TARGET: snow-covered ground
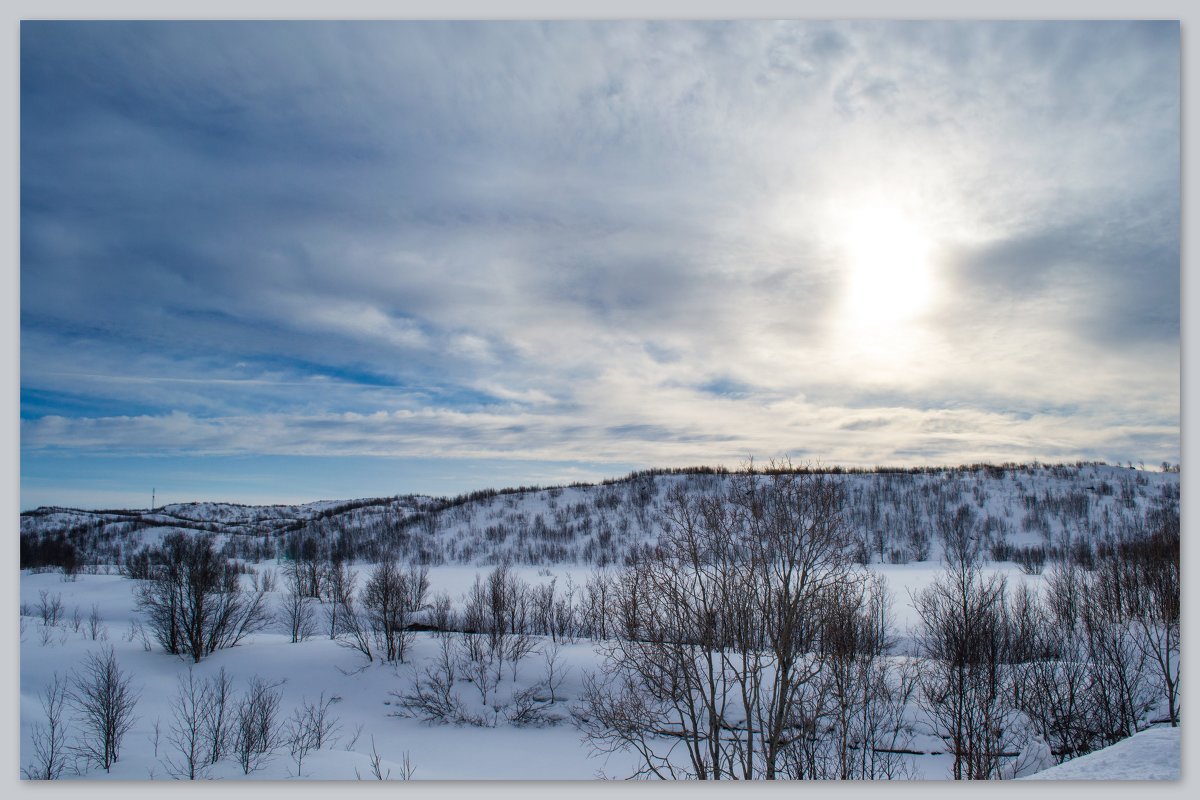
x,y
1018,507
309,668
1151,755
362,693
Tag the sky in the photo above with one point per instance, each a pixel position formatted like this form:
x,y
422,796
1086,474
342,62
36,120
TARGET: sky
x,y
279,262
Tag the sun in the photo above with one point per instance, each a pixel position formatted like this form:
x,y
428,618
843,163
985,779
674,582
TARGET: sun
x,y
889,277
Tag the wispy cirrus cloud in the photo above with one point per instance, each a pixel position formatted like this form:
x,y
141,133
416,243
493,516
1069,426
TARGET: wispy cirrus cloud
x,y
621,242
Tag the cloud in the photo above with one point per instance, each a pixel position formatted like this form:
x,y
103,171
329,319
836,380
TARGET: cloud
x,y
705,434
601,240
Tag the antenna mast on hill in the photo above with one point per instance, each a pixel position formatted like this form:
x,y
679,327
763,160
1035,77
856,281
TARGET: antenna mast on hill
x,y
151,498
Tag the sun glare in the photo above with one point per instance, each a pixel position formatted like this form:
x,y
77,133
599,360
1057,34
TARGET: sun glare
x,y
888,264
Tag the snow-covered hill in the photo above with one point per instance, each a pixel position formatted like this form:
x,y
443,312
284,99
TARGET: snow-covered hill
x,y
562,543
1013,511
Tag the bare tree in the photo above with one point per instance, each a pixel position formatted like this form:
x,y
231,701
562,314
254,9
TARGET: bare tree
x,y
296,610
155,737
441,615
49,608
380,774
95,625
520,644
1121,687
566,618
350,745
957,530
256,732
666,667
390,597
597,605
104,700
186,731
796,538
338,587
322,725
496,609
46,635
349,624
617,714
1084,672
309,569
432,698
867,693
530,707
1054,675
407,768
218,722
193,599
556,673
296,737
1149,569
49,737
377,770
383,600
541,601
478,664
309,728
416,590
712,648
966,676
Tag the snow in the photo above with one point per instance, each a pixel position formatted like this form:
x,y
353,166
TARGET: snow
x,y
310,668
905,581
365,706
364,703
1151,755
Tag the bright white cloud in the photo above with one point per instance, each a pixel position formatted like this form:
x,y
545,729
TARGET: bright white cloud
x,y
653,243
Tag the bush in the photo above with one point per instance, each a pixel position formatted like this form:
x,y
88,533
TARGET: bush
x,y
193,599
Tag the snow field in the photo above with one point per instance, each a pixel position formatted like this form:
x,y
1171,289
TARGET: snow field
x,y
1149,755
363,702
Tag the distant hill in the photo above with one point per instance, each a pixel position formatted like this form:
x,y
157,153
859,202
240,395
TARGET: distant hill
x,y
1027,513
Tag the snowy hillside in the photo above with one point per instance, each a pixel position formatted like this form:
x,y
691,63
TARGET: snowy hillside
x,y
1024,511
1152,755
386,638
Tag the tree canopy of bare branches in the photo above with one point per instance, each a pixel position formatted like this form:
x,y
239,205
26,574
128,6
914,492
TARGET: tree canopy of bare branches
x,y
104,700
713,668
193,600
